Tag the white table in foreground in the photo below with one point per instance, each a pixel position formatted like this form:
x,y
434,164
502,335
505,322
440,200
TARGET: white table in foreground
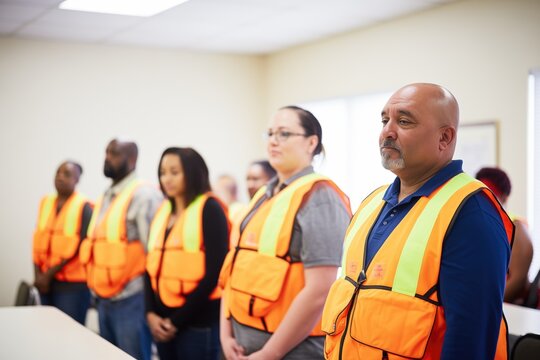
x,y
522,320
44,332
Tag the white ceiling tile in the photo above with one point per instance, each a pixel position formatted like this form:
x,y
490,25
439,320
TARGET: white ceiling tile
x,y
70,18
224,14
182,31
161,42
40,3
74,33
19,13
7,27
248,26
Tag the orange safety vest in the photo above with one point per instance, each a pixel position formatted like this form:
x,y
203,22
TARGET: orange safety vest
x,y
57,238
392,308
111,261
177,266
259,277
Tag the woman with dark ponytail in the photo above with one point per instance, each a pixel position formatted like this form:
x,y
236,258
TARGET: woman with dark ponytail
x,y
289,249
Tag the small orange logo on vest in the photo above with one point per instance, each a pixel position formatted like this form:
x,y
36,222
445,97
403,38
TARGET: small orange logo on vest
x,y
251,240
352,267
378,271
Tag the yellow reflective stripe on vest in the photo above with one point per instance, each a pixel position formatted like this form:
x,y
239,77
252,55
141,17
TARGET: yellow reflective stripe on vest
x,y
114,218
93,219
258,194
515,217
72,215
276,217
192,226
363,215
410,260
46,211
162,215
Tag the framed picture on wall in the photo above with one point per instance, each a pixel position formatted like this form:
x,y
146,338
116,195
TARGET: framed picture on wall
x,y
478,145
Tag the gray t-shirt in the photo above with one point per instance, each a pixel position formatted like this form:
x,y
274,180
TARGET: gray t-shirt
x,y
317,240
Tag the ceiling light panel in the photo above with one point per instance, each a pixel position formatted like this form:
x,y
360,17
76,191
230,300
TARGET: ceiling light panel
x,y
121,7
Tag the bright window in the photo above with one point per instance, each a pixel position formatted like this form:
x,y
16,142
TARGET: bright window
x,y
351,128
533,169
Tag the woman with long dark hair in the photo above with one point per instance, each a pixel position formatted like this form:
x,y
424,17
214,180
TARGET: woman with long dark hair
x,y
187,244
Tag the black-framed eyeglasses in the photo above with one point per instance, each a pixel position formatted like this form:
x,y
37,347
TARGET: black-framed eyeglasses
x,y
281,135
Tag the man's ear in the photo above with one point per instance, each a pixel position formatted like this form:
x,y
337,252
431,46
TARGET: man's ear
x,y
447,137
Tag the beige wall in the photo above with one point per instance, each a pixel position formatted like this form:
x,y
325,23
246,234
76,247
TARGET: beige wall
x,y
481,50
61,100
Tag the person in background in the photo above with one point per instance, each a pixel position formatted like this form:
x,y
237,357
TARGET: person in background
x,y
289,249
517,283
115,250
258,174
226,189
61,226
188,242
425,258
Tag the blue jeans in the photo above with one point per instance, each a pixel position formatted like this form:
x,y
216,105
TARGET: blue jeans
x,y
73,301
192,344
123,323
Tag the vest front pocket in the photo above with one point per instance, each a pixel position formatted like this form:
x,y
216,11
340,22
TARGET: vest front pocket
x,y
110,260
257,281
336,309
337,306
111,255
41,246
380,317
64,246
252,305
103,278
184,268
171,286
170,292
117,276
41,240
72,271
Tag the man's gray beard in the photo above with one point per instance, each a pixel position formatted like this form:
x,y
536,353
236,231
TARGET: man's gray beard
x,y
392,164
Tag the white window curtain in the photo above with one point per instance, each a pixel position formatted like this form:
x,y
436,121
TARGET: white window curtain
x,y
533,169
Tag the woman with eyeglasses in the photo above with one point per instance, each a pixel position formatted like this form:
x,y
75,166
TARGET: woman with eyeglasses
x,y
187,245
288,251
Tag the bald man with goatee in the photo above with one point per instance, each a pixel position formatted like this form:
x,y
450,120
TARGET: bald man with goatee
x,y
425,257
114,252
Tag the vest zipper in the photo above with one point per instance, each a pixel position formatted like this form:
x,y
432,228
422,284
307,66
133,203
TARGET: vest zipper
x,y
342,341
384,355
361,279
